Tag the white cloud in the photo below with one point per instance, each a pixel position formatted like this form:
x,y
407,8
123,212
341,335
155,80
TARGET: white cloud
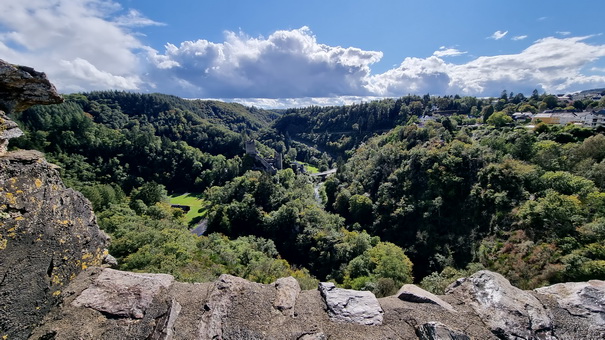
x,y
498,35
519,37
74,41
448,52
550,64
285,64
563,33
135,19
89,45
284,103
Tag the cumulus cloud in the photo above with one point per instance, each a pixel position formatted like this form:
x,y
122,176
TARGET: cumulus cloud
x,y
285,64
519,37
448,52
498,35
91,45
74,41
550,64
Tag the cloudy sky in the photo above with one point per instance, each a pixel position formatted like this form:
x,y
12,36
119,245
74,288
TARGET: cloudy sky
x,y
277,53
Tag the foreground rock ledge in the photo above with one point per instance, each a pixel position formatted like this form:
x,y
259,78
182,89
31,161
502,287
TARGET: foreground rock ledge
x,y
154,306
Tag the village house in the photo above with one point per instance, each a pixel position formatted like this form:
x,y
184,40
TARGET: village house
x,y
591,119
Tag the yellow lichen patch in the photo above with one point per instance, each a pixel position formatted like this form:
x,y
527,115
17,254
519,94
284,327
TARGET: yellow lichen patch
x,y
57,293
3,243
38,183
19,192
55,279
19,218
11,198
12,232
62,241
64,222
13,180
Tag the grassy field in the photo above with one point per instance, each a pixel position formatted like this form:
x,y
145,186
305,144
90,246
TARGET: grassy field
x,y
198,205
310,168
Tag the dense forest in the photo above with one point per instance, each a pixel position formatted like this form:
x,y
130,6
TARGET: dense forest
x,y
427,188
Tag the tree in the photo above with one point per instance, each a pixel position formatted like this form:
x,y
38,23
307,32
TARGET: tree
x,y
360,209
487,112
552,216
499,119
150,193
383,261
550,101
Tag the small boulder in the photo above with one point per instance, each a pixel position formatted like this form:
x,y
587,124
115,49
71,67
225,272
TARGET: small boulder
x,y
123,294
8,130
352,306
413,293
438,331
110,261
314,336
287,290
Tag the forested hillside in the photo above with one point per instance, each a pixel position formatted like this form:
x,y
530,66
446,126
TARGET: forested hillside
x,y
340,129
414,198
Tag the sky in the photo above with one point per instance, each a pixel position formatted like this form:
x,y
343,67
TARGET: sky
x,y
284,53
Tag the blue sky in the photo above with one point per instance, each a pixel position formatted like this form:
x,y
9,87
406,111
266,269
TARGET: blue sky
x,y
280,53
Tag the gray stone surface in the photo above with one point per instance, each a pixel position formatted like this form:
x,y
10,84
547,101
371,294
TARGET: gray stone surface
x,y
352,306
509,312
580,299
219,304
438,331
22,87
286,292
413,293
8,130
110,261
48,234
314,336
123,294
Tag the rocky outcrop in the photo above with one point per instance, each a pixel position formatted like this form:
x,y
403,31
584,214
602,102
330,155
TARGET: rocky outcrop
x,y
48,233
22,87
509,312
350,305
145,306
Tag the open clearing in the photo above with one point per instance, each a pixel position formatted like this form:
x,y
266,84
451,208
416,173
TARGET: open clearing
x,y
197,205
